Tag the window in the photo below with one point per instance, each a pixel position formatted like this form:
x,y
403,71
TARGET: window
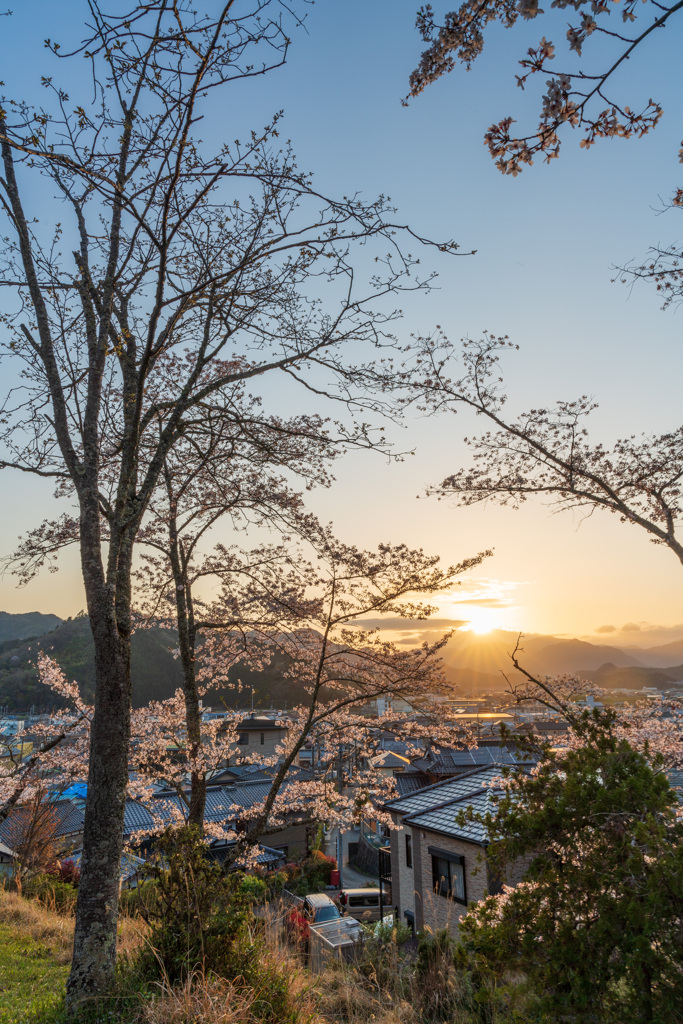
x,y
448,874
263,738
409,851
243,739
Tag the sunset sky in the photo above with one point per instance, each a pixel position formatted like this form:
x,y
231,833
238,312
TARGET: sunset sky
x,y
546,245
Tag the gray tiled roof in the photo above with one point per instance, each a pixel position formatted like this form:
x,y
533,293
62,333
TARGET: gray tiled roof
x,y
64,819
444,819
266,856
441,792
136,817
410,782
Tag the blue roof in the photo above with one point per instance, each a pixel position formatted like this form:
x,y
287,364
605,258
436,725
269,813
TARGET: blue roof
x,y
78,791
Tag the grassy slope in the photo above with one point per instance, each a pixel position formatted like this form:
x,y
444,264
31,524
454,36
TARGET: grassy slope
x,y
35,949
35,953
32,979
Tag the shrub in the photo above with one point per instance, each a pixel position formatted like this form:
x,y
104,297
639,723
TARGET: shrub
x,y
51,893
201,921
67,871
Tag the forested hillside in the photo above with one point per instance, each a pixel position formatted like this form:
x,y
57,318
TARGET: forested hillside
x,y
156,673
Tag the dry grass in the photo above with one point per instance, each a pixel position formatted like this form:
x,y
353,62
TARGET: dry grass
x,y
31,920
345,997
212,1002
35,921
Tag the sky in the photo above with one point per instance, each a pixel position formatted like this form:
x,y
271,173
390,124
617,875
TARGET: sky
x,y
546,246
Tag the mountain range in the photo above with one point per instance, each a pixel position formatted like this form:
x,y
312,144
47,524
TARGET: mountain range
x,y
156,673
479,662
476,663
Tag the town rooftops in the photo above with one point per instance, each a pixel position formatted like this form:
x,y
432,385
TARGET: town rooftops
x,y
444,762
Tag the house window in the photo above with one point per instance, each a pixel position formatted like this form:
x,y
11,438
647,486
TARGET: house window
x,y
263,738
243,739
448,874
409,851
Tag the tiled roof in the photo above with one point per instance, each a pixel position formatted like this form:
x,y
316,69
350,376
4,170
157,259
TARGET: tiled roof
x,y
266,856
136,817
389,759
444,819
410,782
64,819
263,723
455,761
675,777
128,865
438,793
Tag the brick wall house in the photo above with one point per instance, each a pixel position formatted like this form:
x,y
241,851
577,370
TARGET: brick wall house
x,y
438,865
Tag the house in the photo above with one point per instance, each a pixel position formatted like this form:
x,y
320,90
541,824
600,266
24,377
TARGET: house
x,y
7,858
261,735
439,865
387,762
228,806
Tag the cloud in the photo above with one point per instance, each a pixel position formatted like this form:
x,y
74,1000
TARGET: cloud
x,y
640,634
424,625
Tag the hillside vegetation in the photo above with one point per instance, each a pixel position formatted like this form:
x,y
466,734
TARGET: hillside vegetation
x,y
156,672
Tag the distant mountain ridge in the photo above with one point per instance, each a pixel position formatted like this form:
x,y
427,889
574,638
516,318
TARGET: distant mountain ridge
x,y
156,673
22,625
479,662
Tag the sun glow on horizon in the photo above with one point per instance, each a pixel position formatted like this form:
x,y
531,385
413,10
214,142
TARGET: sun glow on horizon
x,y
482,620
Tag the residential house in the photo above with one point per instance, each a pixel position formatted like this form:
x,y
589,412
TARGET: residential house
x,y
438,864
7,858
261,735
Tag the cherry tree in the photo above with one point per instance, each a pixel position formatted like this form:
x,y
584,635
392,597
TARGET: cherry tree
x,y
55,748
276,603
161,271
580,96
547,452
224,475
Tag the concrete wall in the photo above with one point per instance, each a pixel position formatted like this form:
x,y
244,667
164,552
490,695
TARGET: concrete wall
x,y
272,738
405,885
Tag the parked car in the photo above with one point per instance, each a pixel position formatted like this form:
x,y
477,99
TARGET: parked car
x,y
318,907
314,909
363,904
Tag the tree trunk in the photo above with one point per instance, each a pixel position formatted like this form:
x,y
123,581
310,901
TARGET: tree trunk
x,y
93,966
94,953
95,933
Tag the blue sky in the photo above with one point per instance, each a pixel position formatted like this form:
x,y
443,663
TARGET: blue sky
x,y
546,243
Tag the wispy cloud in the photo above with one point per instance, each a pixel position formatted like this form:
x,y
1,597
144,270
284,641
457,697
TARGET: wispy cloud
x,y
642,633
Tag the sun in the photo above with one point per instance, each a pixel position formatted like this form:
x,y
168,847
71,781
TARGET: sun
x,y
480,621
